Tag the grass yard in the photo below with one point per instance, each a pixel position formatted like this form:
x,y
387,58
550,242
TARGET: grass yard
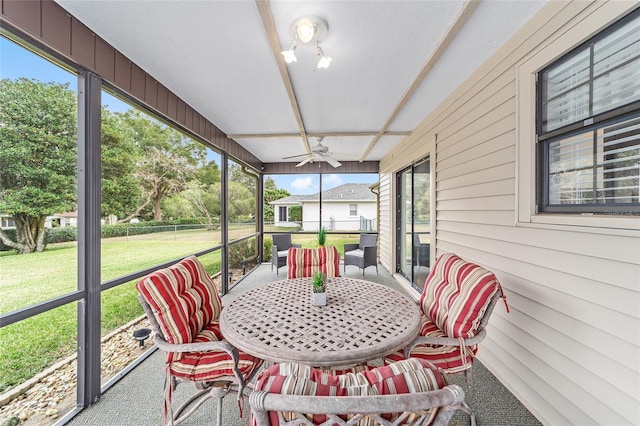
x,y
29,346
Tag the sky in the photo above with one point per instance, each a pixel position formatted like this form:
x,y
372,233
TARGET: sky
x,y
16,62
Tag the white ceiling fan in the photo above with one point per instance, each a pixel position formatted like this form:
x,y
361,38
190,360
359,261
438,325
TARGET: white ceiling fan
x,y
318,153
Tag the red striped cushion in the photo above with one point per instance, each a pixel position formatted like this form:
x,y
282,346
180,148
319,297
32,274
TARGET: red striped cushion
x,y
406,376
303,262
183,298
447,358
457,294
211,365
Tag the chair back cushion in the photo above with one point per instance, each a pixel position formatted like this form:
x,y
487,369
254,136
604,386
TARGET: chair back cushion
x,y
303,262
368,240
183,299
456,295
407,376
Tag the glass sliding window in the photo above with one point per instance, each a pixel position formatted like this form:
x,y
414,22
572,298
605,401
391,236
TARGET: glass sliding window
x,y
589,128
39,222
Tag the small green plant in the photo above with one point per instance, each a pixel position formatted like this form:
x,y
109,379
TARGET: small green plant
x,y
317,279
322,237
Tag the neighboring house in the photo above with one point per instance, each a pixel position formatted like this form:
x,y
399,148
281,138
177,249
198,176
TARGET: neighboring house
x,y
54,221
281,216
348,207
61,220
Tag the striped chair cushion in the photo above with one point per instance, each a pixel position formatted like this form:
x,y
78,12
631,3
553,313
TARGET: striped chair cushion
x,y
406,376
457,294
303,262
211,365
447,358
184,300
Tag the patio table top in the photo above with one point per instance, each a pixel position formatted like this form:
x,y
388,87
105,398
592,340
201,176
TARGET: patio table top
x,y
362,321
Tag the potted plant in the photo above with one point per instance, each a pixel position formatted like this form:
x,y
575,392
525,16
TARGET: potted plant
x,y
322,237
319,295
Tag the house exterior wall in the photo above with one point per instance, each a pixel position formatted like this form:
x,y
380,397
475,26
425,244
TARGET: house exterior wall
x,y
342,220
570,347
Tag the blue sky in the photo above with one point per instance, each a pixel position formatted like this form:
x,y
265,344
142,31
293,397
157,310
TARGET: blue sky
x,y
16,62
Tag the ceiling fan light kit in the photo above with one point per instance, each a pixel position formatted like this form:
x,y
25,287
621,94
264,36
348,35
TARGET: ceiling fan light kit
x,y
308,29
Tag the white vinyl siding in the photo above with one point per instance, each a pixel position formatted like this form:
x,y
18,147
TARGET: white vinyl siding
x,y
570,346
386,227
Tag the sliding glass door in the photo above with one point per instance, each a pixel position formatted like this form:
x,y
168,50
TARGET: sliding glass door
x,y
413,222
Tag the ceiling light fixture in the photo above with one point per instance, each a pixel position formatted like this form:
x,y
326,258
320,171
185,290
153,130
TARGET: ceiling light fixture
x,y
290,54
323,60
308,29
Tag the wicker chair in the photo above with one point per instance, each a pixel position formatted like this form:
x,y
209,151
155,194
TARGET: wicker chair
x,y
422,252
407,392
456,303
281,245
183,306
362,254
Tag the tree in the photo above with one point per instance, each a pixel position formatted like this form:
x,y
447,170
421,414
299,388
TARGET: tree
x,y
168,162
38,155
120,187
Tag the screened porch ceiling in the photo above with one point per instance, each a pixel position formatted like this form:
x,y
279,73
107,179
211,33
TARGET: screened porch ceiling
x,y
393,63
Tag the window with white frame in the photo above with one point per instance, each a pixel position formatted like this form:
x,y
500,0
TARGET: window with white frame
x,y
353,210
588,125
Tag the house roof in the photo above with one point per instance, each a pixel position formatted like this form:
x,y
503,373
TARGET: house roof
x,y
346,192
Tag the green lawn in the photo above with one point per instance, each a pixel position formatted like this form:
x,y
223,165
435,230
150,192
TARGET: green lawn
x,y
29,346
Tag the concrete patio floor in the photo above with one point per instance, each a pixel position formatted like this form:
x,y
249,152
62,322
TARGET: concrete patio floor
x,y
137,399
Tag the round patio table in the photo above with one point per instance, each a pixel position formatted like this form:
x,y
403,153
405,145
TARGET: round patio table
x,y
362,321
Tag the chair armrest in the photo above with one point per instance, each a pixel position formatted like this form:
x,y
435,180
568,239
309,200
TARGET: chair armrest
x,y
218,346
444,341
274,252
350,246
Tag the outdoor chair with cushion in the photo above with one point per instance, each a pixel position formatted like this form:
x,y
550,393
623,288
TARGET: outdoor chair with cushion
x,y
281,245
407,392
422,252
362,254
456,303
303,262
183,306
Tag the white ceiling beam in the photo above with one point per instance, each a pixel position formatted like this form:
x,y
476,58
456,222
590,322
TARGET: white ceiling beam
x,y
311,135
451,33
264,9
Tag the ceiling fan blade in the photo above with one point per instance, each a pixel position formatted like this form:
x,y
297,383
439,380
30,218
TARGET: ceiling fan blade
x,y
305,161
333,161
294,156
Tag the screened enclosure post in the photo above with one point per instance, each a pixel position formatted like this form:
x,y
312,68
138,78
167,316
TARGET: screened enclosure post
x,y
224,192
260,217
89,107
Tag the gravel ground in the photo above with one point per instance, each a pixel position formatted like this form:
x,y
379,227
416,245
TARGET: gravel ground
x,y
54,395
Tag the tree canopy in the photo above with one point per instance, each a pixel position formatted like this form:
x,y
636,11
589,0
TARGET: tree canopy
x,y
38,153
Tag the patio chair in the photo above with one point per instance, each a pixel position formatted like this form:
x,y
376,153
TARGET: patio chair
x,y
281,245
303,262
183,306
407,392
422,252
362,254
456,303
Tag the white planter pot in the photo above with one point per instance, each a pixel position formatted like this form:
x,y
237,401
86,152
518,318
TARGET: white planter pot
x,y
319,299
